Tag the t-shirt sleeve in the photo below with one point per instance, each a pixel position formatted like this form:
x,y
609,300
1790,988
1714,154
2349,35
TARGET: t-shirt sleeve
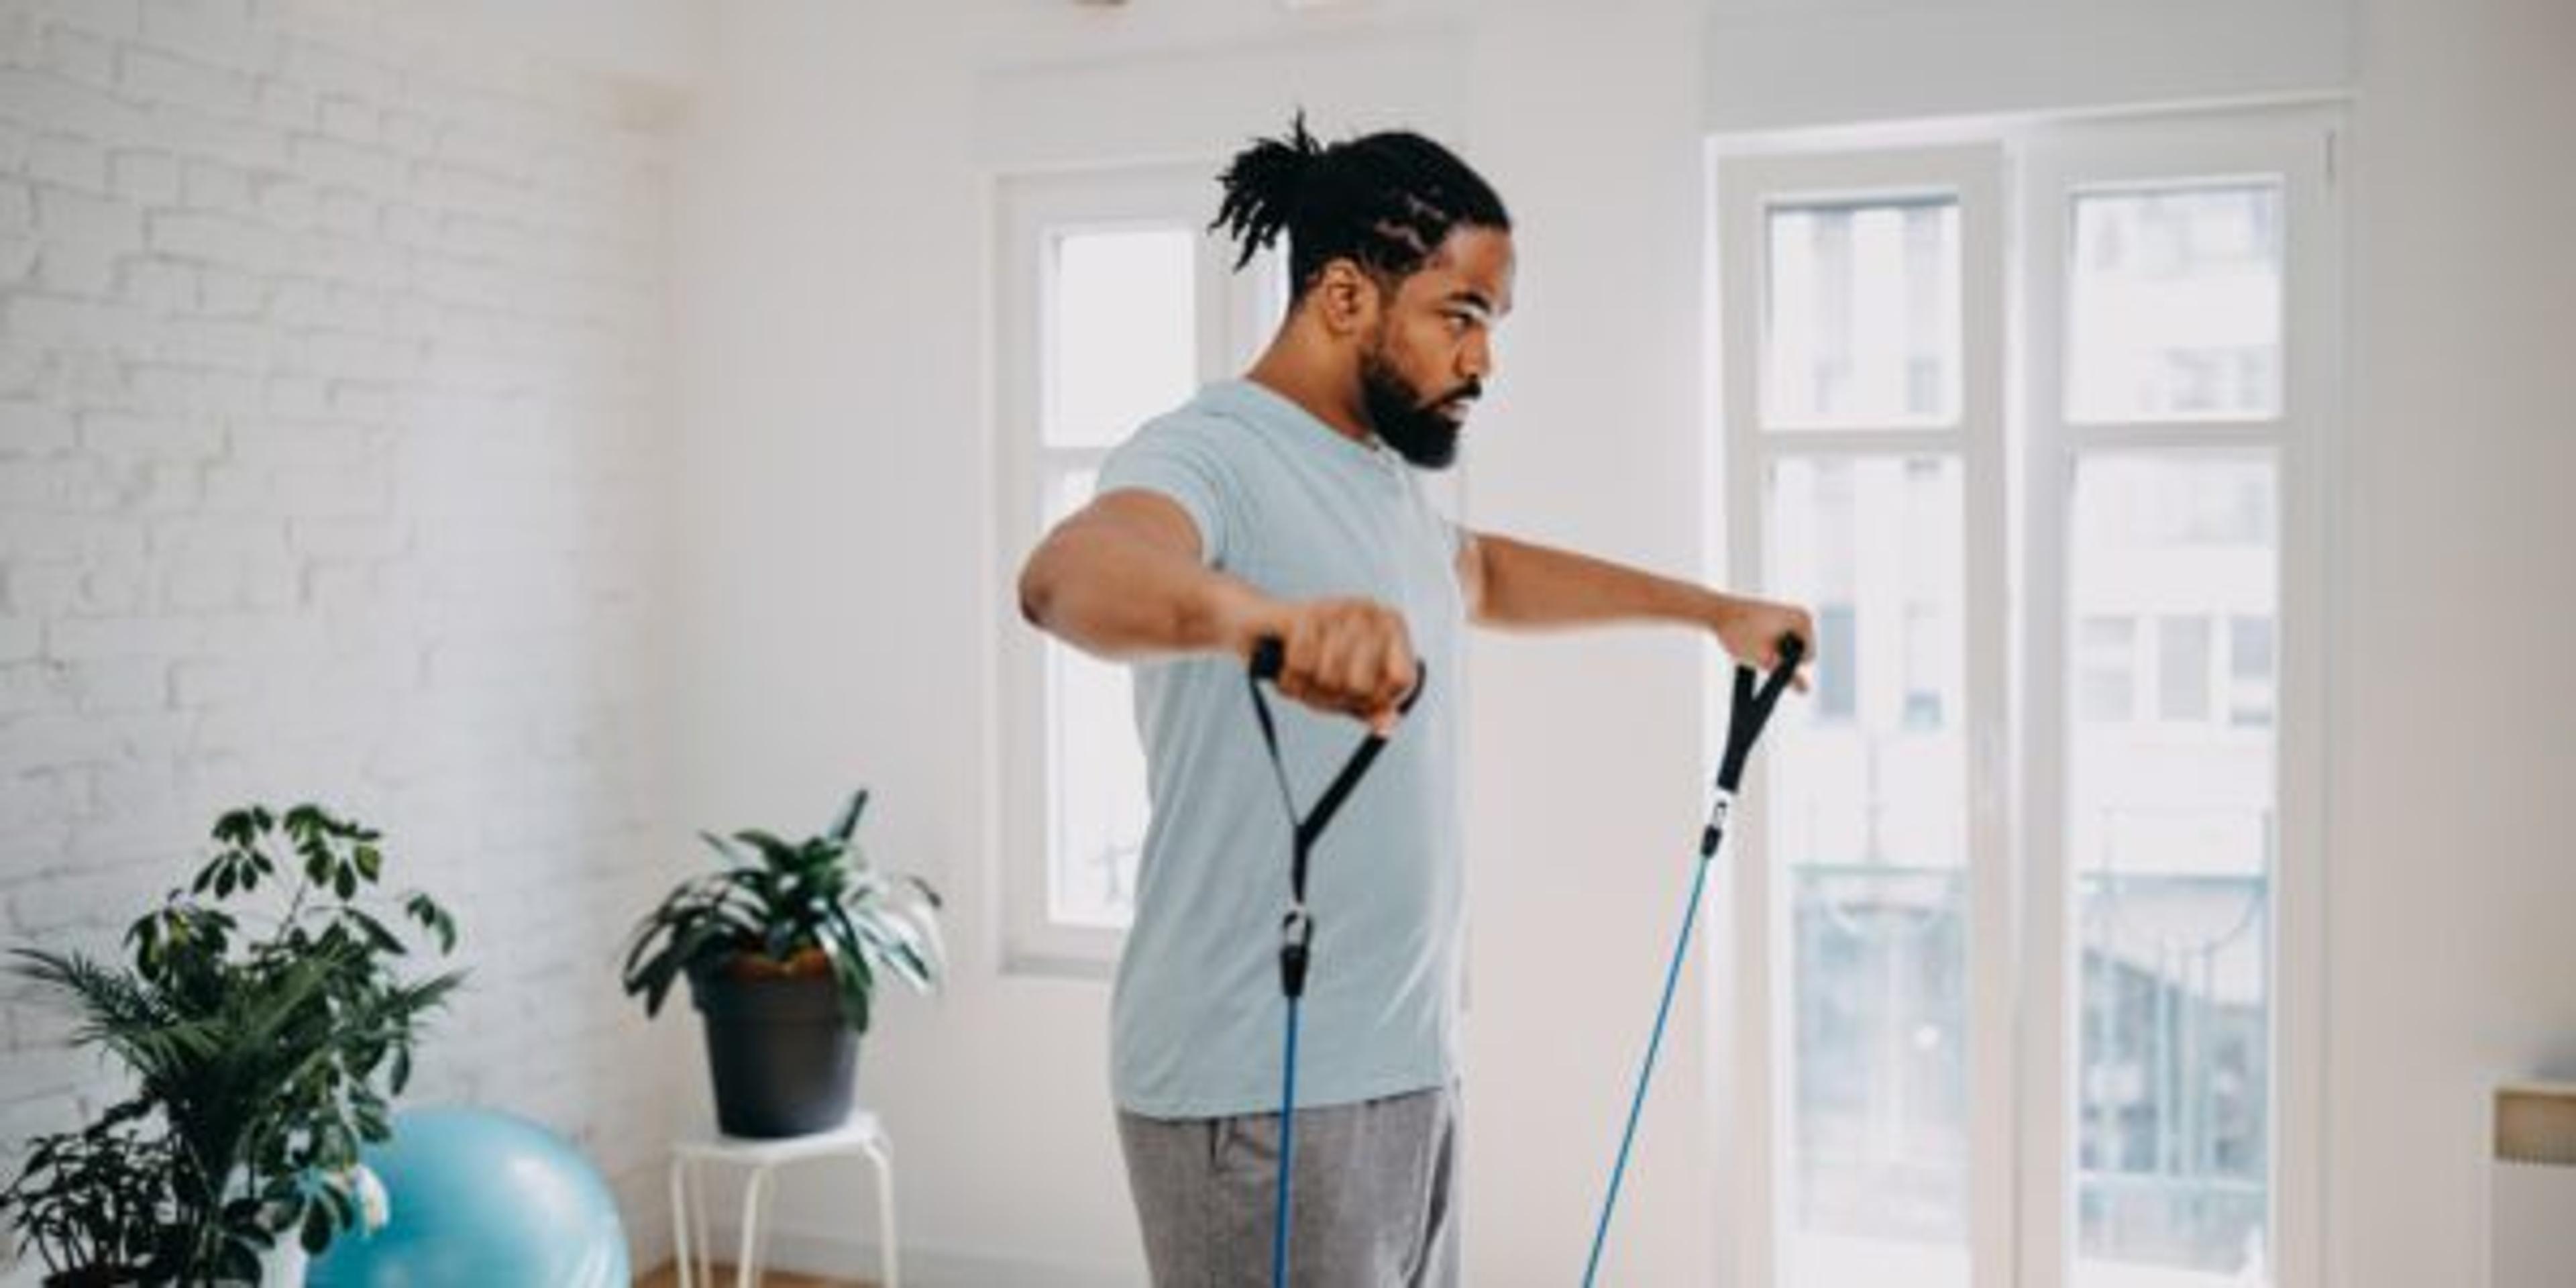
x,y
1183,460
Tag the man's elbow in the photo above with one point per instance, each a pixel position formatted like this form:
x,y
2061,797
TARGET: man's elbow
x,y
1037,588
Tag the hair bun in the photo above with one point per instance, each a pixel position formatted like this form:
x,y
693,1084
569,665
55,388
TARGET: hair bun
x,y
1263,185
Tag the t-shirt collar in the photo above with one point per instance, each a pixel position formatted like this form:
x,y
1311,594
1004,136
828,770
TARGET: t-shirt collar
x,y
1269,410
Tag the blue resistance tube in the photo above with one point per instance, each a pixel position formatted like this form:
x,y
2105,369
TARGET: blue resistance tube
x,y
1751,711
1297,929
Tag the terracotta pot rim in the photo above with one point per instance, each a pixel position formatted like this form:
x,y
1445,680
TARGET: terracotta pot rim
x,y
757,966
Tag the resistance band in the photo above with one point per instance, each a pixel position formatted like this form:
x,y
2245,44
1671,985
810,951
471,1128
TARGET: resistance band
x,y
1751,711
1297,929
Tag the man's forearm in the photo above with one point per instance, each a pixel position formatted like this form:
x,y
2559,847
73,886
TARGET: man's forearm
x,y
1119,598
1533,586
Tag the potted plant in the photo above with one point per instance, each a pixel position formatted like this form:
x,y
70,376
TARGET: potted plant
x,y
265,1046
93,1204
783,947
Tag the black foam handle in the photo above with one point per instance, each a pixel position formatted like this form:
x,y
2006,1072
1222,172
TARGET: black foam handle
x,y
1792,650
1269,657
1752,710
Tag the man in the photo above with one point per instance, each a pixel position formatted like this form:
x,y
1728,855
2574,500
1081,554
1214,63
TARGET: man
x,y
1285,505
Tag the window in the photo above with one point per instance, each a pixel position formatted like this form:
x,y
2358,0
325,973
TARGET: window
x,y
2031,892
1115,305
2169,835
2250,679
1869,805
2174,303
2106,669
1118,307
2180,280
1862,481
1863,313
2182,684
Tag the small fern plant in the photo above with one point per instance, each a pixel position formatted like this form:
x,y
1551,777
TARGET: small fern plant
x,y
775,907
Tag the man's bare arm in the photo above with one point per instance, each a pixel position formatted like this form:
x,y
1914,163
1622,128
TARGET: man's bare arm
x,y
1122,579
1514,584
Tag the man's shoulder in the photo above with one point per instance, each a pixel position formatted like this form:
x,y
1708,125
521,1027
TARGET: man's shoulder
x,y
1200,426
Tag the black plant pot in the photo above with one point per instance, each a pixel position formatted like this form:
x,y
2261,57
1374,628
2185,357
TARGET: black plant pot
x,y
94,1277
782,1057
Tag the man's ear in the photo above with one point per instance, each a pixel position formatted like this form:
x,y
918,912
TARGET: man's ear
x,y
1347,297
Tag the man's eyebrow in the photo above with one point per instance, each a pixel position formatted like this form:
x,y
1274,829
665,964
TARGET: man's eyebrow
x,y
1473,298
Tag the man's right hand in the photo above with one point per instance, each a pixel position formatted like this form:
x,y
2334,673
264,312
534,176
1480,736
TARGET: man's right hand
x,y
1344,656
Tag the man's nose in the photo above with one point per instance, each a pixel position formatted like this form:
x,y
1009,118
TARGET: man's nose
x,y
1476,359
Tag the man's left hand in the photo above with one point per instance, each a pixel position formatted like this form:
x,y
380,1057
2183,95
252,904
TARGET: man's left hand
x,y
1751,630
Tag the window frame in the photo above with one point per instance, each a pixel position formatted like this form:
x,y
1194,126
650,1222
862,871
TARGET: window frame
x,y
1031,210
1751,950
2019,446
2295,146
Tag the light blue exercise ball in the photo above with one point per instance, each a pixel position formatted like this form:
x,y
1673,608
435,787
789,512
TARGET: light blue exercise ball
x,y
481,1199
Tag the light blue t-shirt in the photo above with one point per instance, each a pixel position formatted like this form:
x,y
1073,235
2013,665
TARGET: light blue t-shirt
x,y
1285,503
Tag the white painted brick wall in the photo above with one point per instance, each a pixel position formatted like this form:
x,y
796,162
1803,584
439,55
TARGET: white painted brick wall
x,y
331,467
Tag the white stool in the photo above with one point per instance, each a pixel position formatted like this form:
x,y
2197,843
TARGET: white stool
x,y
862,1135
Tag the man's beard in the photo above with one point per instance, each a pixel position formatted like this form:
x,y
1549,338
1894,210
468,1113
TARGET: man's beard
x,y
1405,420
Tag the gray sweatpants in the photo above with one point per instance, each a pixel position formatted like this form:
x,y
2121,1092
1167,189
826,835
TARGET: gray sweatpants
x,y
1375,1196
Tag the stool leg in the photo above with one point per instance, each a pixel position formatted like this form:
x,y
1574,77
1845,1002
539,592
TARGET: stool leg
x,y
746,1274
881,1153
760,1244
705,1241
680,1219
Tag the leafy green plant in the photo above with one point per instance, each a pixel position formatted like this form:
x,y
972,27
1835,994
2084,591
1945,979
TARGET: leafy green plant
x,y
94,1203
777,907
268,1059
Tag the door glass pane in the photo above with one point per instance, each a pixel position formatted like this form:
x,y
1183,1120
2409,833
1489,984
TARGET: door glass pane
x,y
1095,769
2174,304
2250,681
2105,668
2171,823
1867,814
2182,668
1121,332
1861,323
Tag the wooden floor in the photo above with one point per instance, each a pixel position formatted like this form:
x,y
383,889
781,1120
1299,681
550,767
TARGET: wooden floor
x,y
668,1276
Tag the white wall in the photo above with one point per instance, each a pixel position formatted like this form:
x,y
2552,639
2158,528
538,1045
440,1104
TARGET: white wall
x,y
2453,871
1587,766
838,465
332,466
1781,63
838,608
652,42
